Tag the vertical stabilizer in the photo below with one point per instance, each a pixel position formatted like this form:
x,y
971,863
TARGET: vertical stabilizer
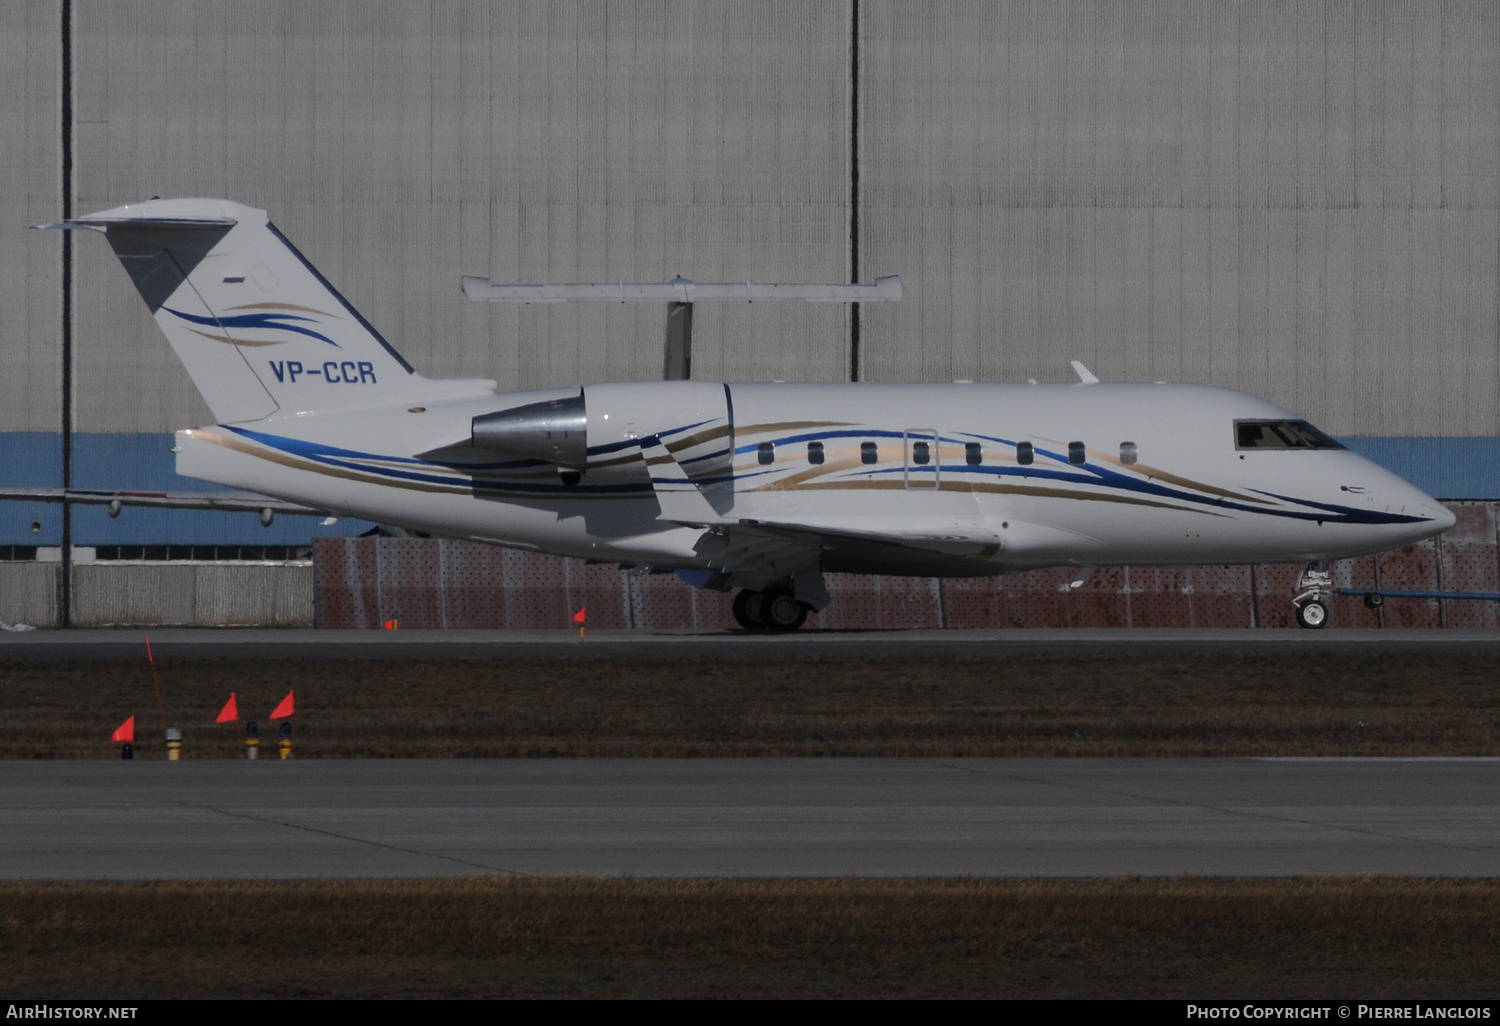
x,y
257,327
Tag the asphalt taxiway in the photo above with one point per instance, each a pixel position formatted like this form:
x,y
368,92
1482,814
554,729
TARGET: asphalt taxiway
x,y
253,643
749,818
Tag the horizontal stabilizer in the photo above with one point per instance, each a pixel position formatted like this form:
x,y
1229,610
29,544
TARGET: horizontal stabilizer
x,y
681,290
102,224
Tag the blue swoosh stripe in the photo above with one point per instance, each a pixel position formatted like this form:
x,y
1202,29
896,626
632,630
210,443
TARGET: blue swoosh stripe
x,y
256,320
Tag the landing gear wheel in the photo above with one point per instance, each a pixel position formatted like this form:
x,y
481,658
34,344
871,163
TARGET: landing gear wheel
x,y
749,609
1312,614
782,612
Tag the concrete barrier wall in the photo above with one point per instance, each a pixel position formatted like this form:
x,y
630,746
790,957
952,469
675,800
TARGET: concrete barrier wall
x,y
160,594
29,593
432,583
192,595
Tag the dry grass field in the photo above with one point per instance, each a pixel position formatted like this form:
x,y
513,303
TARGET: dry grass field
x,y
699,706
1185,938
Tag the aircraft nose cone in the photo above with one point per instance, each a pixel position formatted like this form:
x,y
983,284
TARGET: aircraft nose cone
x,y
1436,518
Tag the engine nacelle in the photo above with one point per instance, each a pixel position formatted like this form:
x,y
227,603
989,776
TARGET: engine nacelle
x,y
602,429
554,430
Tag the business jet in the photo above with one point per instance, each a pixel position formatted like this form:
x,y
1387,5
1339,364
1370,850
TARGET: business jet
x,y
758,487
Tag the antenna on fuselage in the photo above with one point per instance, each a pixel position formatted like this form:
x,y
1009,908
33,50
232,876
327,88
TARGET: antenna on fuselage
x,y
680,294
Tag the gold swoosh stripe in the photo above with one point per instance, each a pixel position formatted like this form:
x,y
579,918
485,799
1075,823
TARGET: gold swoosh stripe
x,y
234,341
297,463
1156,474
283,306
789,425
706,435
995,489
618,461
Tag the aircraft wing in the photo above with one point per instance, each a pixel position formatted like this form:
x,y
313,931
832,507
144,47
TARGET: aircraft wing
x,y
957,538
756,553
229,502
747,557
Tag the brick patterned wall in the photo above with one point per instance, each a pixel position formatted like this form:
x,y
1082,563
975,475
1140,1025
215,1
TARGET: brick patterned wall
x,y
434,583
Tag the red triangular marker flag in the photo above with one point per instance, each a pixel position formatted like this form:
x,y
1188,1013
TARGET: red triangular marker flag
x,y
230,713
578,617
283,710
126,732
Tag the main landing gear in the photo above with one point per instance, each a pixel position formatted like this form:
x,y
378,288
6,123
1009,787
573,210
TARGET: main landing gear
x,y
1314,590
775,609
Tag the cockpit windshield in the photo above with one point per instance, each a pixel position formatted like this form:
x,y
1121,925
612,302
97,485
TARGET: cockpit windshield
x,y
1280,434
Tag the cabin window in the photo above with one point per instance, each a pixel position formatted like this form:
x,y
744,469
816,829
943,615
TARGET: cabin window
x,y
1076,455
815,452
765,452
1128,453
973,454
1280,434
1024,453
921,453
868,453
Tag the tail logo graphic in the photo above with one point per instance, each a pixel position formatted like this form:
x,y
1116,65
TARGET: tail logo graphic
x,y
266,317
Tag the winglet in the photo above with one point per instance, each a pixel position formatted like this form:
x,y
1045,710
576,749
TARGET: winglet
x,y
1084,374
679,497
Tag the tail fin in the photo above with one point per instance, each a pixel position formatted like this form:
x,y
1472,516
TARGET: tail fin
x,y
257,327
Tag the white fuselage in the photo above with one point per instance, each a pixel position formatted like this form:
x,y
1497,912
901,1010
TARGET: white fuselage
x,y
916,478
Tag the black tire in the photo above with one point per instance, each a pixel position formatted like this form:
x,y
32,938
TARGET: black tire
x,y
782,612
748,607
1374,600
1312,615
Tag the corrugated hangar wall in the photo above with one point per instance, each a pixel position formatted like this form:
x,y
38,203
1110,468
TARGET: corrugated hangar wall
x,y
1298,199
30,281
404,145
1301,200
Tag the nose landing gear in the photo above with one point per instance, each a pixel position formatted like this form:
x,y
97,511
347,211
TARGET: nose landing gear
x,y
775,609
1312,614
1314,589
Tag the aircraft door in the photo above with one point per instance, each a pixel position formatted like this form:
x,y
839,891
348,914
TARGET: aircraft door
x,y
922,468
